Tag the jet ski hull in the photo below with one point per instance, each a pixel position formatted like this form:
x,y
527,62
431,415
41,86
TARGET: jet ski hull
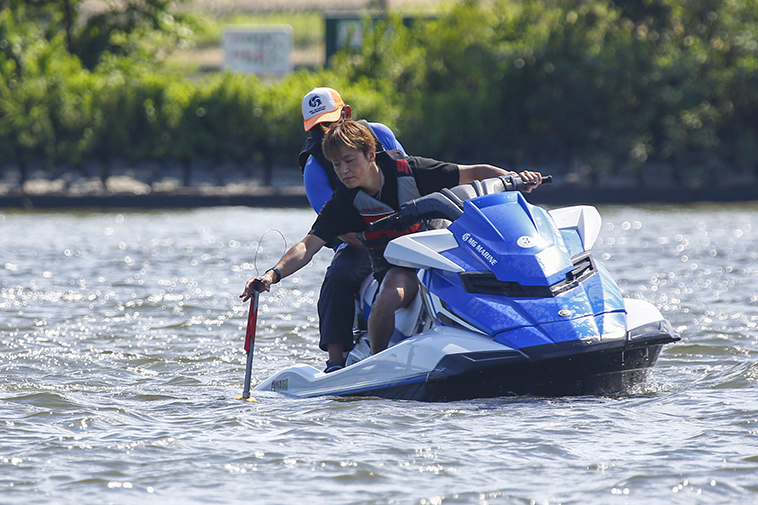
x,y
449,364
616,370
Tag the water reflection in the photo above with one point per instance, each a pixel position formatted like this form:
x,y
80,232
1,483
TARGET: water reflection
x,y
121,353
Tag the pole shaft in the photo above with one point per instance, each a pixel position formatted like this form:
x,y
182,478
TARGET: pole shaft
x,y
252,322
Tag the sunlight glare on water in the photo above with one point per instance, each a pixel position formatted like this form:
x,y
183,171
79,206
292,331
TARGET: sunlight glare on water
x,y
121,356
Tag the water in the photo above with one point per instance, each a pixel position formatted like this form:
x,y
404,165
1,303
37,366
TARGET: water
x,y
121,359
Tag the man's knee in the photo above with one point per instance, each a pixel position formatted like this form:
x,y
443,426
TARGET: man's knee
x,y
400,286
384,305
391,298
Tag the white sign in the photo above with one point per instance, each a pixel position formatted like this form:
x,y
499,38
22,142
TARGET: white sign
x,y
265,49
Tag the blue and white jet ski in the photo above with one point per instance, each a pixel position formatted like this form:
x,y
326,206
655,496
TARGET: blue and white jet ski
x,y
512,302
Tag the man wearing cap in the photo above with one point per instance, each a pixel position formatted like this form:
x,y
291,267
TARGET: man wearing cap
x,y
321,107
375,185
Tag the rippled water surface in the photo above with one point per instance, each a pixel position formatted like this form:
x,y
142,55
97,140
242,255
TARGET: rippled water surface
x,y
121,359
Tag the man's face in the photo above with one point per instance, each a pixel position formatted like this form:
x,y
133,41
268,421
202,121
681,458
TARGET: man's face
x,y
352,167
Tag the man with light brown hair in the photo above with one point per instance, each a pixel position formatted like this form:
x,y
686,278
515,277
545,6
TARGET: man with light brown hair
x,y
322,107
374,186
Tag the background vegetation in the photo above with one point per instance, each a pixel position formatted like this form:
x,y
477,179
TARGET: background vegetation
x,y
594,88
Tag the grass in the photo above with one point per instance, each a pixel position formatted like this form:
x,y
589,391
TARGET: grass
x,y
206,55
308,27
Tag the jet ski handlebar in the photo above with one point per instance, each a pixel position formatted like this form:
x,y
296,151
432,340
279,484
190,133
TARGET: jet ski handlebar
x,y
448,203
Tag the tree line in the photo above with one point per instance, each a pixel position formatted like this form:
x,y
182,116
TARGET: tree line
x,y
597,88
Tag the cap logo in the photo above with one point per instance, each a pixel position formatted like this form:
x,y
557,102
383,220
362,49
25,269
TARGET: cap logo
x,y
316,105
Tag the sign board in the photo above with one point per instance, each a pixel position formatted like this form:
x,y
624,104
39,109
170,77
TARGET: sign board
x,y
265,49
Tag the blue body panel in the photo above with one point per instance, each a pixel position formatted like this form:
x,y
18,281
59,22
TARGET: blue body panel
x,y
504,234
588,330
515,240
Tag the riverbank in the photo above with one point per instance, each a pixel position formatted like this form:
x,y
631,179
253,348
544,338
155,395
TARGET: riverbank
x,y
149,186
157,187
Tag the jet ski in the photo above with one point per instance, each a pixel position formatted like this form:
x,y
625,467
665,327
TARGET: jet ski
x,y
511,302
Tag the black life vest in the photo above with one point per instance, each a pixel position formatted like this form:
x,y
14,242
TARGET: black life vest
x,y
312,147
372,209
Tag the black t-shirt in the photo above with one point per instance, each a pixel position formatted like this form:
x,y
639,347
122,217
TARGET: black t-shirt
x,y
339,216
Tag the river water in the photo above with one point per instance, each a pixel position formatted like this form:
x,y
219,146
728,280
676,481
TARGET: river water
x,y
121,360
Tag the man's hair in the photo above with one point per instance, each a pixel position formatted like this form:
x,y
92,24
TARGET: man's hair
x,y
347,133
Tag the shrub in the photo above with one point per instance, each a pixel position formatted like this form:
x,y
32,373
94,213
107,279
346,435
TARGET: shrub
x,y
595,84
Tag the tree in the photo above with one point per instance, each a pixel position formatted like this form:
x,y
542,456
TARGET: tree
x,y
127,28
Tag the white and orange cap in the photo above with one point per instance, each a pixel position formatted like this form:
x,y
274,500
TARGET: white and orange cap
x,y
321,105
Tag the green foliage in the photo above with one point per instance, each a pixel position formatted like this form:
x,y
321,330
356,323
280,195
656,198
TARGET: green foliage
x,y
44,95
574,82
594,85
134,28
307,27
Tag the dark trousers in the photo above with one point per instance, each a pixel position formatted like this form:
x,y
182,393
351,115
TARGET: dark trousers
x,y
336,303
